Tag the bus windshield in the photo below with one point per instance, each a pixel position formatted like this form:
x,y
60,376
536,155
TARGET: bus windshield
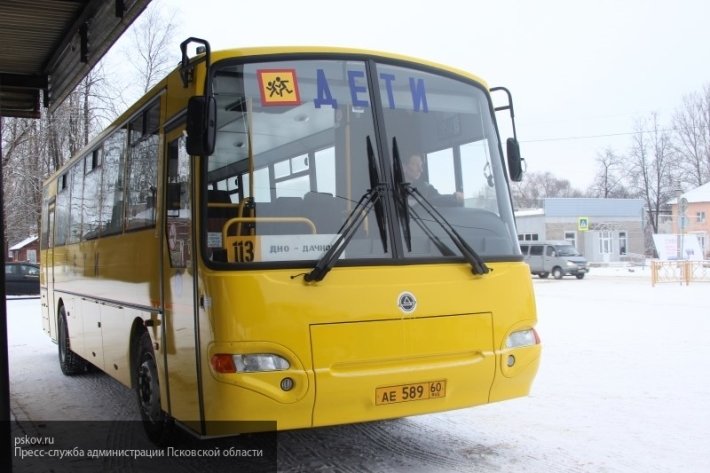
x,y
291,163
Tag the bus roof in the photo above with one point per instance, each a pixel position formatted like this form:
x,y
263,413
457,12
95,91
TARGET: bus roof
x,y
252,52
278,50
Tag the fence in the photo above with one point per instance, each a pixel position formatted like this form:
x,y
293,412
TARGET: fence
x,y
683,271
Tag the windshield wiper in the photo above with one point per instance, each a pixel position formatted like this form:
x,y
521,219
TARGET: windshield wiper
x,y
376,184
478,266
371,198
404,191
401,195
440,245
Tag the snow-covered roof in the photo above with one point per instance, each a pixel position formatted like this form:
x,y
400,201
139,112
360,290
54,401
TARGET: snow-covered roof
x,y
699,194
529,212
592,207
23,243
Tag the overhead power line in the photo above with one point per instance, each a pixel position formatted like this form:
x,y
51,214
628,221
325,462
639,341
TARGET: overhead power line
x,y
607,135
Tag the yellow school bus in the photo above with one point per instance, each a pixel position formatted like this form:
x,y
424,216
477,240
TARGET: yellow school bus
x,y
307,236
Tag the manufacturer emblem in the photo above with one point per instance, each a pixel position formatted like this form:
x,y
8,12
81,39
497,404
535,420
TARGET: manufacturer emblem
x,y
407,302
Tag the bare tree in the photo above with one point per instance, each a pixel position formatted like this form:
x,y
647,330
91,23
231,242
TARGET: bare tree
x,y
106,96
15,133
23,143
70,126
608,182
691,138
34,149
651,173
530,192
150,52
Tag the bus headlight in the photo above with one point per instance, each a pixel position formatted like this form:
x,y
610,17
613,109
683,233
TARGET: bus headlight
x,y
260,362
249,363
522,338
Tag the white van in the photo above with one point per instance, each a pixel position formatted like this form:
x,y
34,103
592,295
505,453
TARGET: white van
x,y
556,257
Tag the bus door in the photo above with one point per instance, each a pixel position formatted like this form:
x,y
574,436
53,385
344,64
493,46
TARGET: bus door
x,y
49,319
179,329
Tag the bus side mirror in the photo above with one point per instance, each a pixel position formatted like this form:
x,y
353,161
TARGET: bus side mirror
x,y
515,162
201,125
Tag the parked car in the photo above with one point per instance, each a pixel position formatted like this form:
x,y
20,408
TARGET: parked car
x,y
21,279
558,258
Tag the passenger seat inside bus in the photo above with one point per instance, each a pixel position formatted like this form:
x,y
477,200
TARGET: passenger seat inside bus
x,y
326,212
218,216
281,208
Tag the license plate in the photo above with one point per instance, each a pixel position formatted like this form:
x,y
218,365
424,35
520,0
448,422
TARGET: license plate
x,y
410,392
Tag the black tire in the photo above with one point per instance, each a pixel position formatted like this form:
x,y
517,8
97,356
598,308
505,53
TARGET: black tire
x,y
557,272
69,362
543,275
158,425
580,275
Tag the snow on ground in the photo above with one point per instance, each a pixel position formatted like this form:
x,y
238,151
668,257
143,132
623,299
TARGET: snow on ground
x,y
622,384
623,387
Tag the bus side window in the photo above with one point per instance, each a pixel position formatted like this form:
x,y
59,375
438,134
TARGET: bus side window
x,y
143,169
111,208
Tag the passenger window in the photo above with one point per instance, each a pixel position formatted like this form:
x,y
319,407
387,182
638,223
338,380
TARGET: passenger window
x,y
92,195
61,226
550,251
143,170
76,202
112,183
536,250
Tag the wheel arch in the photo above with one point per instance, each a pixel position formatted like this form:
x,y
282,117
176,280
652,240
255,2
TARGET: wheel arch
x,y
58,313
138,328
60,305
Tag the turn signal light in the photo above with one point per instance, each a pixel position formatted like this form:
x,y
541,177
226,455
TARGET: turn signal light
x,y
223,363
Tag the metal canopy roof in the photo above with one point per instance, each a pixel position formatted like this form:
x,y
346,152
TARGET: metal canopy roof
x,y
48,46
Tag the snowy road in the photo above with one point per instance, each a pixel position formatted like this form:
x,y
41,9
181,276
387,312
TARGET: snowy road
x,y
623,387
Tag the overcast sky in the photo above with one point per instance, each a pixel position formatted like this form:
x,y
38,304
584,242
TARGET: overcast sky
x,y
582,73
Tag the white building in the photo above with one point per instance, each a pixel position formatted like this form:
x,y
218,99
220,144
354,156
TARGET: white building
x,y
602,229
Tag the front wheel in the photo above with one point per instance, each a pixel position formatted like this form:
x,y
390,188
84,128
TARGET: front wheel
x,y
69,362
158,425
580,275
